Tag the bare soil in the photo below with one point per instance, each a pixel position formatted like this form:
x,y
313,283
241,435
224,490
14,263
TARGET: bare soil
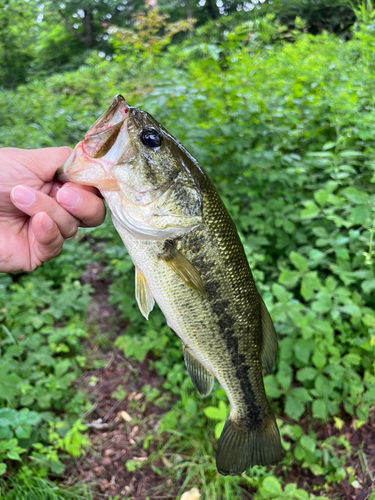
x,y
118,425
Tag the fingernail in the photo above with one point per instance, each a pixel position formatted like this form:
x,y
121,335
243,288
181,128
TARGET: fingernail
x,y
46,222
23,195
55,189
67,197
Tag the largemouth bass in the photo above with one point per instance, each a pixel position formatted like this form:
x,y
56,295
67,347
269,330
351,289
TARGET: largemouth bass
x,y
189,259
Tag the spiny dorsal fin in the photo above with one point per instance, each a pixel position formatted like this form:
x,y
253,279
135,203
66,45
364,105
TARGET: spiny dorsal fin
x,y
202,379
183,268
268,351
142,294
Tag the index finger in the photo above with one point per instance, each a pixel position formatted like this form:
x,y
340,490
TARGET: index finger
x,y
47,160
57,185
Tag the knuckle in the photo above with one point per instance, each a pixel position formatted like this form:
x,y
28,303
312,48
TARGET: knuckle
x,y
94,215
71,230
51,249
52,253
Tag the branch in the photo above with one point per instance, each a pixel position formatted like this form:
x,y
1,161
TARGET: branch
x,y
71,28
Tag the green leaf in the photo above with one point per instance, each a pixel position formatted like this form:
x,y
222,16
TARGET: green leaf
x,y
352,310
323,303
308,443
8,385
356,196
317,470
58,467
29,417
13,455
23,431
5,433
62,367
284,375
311,211
8,416
271,487
360,214
213,51
290,488
219,429
321,197
351,359
219,413
319,408
303,349
328,145
342,253
298,261
301,495
8,445
368,285
323,386
293,407
309,283
280,292
301,393
318,359
3,469
289,278
307,373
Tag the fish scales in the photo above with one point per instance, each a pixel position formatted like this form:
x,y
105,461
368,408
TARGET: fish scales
x,y
190,260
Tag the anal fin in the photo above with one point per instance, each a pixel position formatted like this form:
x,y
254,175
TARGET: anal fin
x,y
142,294
183,268
269,347
202,379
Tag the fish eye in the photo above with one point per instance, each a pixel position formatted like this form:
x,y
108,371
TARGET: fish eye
x,y
151,137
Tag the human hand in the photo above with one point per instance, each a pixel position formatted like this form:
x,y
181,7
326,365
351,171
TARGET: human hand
x,y
36,212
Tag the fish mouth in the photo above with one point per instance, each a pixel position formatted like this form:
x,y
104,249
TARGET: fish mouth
x,y
93,158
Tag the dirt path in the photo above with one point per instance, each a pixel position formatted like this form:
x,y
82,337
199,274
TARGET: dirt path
x,y
121,421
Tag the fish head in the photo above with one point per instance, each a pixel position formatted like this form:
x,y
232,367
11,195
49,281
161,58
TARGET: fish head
x,y
91,162
125,150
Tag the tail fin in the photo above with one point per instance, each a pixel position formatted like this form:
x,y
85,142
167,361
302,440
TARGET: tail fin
x,y
240,447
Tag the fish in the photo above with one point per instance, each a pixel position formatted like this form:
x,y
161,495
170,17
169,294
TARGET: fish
x,y
188,258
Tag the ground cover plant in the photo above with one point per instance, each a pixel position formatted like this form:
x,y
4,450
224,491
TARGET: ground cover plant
x,y
282,121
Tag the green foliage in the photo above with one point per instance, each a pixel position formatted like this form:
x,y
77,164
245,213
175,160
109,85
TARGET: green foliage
x,y
283,123
29,486
272,489
220,413
296,168
332,15
41,333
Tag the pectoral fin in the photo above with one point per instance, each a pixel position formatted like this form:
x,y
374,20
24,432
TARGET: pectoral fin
x,y
202,379
268,351
183,268
142,294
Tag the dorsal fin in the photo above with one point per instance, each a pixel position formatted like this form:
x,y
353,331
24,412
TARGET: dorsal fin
x,y
142,294
202,379
269,347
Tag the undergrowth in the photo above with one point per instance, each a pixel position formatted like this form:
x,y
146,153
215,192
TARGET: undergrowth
x,y
285,131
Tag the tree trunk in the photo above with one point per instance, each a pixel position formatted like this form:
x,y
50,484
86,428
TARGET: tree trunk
x,y
88,38
212,9
189,16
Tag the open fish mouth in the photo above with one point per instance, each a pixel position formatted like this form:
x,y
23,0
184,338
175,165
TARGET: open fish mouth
x,y
102,135
93,158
